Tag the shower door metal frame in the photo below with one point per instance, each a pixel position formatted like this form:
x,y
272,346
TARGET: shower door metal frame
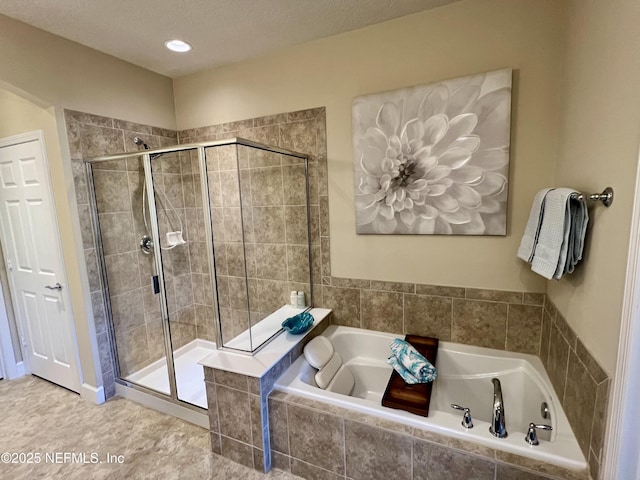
x,y
148,156
157,254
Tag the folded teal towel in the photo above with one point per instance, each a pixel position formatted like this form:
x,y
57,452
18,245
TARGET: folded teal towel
x,y
413,363
298,323
403,372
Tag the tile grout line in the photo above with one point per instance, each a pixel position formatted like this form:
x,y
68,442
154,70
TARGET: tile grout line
x,y
506,328
344,446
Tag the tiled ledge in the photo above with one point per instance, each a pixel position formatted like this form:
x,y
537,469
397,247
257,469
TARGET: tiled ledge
x,y
345,443
261,362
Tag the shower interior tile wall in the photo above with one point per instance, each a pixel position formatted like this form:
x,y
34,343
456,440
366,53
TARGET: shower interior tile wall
x,y
264,207
118,186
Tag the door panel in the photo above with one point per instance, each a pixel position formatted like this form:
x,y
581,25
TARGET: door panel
x,y
17,228
34,262
34,323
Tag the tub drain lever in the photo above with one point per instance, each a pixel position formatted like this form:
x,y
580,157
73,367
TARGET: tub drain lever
x,y
466,417
532,438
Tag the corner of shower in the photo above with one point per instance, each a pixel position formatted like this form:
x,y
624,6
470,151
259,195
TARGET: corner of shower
x,y
198,249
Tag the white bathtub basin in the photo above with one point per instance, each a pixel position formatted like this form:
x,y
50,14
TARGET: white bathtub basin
x,y
464,377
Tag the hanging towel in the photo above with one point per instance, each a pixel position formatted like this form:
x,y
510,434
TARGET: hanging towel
x,y
579,216
405,354
532,230
561,213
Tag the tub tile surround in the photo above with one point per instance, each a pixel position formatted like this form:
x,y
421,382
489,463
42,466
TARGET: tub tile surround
x,y
348,444
506,320
238,404
582,385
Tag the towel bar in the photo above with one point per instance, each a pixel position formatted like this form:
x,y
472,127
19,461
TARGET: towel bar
x,y
606,197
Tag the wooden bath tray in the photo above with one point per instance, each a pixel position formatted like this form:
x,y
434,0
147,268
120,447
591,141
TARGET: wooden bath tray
x,y
412,398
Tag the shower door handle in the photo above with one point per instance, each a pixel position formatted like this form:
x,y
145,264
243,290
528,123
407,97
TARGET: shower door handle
x,y
57,286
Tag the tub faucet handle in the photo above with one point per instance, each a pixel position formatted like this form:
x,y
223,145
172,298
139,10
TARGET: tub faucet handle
x,y
531,437
466,417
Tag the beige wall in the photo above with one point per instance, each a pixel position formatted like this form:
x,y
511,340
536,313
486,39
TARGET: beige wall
x,y
58,72
21,116
52,72
457,40
599,147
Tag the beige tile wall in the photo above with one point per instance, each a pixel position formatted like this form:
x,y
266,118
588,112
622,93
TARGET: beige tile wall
x,y
239,409
488,318
580,382
118,186
273,224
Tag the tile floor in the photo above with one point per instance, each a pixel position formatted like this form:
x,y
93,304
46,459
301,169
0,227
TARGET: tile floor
x,y
38,417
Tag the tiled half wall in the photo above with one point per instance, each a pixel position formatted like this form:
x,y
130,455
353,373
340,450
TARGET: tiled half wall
x,y
345,444
239,409
580,382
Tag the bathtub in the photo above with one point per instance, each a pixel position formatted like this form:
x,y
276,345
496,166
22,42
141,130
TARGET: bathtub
x,y
464,378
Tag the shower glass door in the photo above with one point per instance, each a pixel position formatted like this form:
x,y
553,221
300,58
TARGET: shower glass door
x,y
184,268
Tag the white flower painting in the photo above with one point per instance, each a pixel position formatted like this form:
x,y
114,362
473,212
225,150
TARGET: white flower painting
x,y
434,159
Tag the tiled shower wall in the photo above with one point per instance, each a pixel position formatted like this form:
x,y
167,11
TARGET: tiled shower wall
x,y
118,185
272,221
273,224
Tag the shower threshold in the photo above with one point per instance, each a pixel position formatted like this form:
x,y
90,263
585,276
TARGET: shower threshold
x,y
189,374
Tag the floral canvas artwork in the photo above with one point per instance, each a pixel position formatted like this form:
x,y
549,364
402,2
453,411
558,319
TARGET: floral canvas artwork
x,y
434,159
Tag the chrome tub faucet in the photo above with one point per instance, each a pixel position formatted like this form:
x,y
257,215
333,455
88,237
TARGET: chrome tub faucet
x,y
498,423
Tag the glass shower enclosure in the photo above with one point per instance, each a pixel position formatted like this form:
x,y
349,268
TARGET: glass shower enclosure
x,y
199,248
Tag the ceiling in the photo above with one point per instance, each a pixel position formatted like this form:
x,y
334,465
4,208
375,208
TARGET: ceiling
x,y
221,31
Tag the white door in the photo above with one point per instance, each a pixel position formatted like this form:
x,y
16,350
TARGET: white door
x,y
29,233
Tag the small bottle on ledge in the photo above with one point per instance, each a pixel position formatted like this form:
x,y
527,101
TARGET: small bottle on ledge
x,y
300,302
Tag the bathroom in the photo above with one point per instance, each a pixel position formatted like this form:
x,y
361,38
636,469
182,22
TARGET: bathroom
x,y
564,131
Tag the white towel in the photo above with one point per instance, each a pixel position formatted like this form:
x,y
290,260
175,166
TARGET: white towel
x,y
562,211
532,230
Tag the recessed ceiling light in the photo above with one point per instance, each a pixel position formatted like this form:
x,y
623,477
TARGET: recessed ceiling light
x,y
177,46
